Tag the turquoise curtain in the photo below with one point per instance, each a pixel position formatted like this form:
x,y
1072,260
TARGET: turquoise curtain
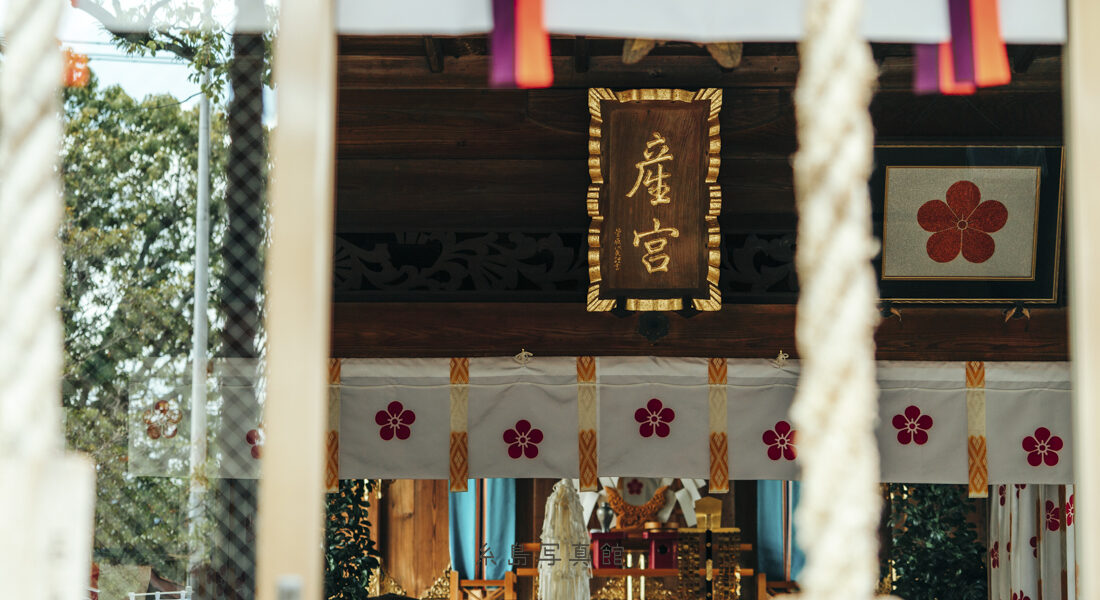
x,y
500,524
798,557
775,502
462,518
499,528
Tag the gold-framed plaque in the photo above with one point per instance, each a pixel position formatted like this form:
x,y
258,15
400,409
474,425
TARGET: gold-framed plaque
x,y
653,157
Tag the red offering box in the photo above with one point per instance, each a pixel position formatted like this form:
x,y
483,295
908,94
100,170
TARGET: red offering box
x,y
662,549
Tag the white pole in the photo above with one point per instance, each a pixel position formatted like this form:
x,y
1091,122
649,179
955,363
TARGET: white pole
x,y
197,485
1082,126
299,304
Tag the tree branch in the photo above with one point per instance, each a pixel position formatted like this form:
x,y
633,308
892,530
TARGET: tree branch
x,y
128,31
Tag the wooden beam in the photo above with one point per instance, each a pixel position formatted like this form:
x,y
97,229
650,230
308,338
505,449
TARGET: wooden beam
x,y
521,124
656,70
525,195
468,160
553,124
434,52
737,331
580,54
1083,152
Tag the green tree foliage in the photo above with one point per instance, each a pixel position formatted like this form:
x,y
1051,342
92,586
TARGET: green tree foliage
x,y
349,550
179,28
935,552
129,169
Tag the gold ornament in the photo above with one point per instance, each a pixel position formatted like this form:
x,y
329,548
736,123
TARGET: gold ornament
x,y
633,517
441,589
381,583
615,589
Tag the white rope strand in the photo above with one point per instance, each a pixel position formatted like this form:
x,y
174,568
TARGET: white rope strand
x,y
834,409
30,212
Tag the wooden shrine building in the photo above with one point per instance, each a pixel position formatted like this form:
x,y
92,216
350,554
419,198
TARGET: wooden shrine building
x,y
461,228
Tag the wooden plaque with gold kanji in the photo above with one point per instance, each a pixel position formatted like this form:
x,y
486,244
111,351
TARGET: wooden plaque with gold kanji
x,y
654,243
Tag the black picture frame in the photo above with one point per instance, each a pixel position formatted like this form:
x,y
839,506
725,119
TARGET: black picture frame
x,y
1043,288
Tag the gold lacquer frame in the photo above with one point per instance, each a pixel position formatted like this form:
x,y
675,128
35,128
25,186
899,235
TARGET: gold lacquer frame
x,y
595,171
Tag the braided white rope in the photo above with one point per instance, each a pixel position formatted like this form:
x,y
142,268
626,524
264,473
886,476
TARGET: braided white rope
x,y
834,408
30,212
564,579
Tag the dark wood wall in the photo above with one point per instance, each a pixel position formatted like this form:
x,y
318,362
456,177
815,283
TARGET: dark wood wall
x,y
460,213
515,160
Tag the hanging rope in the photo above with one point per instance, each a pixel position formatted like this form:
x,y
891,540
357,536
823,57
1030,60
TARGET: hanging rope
x,y
835,406
563,529
30,213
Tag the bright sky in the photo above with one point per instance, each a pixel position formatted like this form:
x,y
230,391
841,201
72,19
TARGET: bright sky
x,y
139,76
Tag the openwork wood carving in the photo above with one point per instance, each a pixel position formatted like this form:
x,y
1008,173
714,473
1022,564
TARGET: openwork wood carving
x,y
543,267
441,263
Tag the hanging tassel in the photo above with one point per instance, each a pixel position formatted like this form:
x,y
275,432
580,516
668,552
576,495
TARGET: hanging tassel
x,y
534,68
975,57
926,68
949,81
962,42
502,44
990,54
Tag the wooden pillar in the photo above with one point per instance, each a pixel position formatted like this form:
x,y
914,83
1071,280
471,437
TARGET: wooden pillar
x,y
1082,82
299,284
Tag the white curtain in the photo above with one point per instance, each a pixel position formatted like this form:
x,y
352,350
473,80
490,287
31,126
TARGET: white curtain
x,y
395,419
651,417
1031,543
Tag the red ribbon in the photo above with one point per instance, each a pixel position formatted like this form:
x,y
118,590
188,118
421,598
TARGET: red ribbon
x,y
974,57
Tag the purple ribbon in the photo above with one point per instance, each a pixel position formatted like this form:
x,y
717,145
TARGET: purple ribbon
x,y
926,68
962,40
502,44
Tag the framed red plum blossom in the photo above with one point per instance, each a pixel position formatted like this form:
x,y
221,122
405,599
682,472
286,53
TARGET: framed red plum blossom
x,y
968,223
